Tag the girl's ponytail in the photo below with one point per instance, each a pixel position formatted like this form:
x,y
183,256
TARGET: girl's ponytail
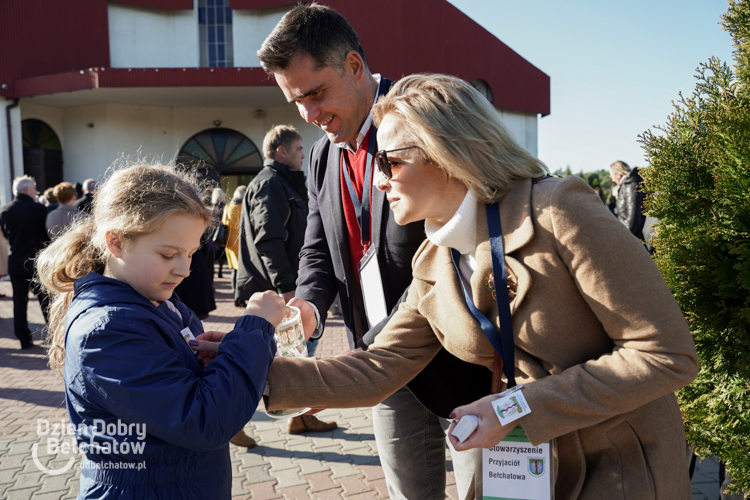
x,y
71,256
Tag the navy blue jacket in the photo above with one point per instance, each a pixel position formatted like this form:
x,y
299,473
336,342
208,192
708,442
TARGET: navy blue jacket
x,y
126,363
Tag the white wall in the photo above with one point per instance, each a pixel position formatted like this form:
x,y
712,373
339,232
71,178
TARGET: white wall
x,y
6,175
524,127
123,132
84,151
249,29
150,38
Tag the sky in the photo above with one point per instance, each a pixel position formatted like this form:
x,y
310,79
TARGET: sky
x,y
615,67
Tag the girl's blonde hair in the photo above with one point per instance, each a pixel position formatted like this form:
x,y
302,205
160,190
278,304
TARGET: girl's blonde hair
x,y
457,129
134,201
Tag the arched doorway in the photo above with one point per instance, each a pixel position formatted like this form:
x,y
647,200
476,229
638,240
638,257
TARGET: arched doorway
x,y
224,155
42,154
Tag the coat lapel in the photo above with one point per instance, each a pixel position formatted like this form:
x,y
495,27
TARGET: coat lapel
x,y
334,206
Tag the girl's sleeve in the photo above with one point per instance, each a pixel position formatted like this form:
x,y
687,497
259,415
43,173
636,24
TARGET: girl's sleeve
x,y
130,371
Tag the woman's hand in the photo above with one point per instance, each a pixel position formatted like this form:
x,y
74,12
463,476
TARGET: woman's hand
x,y
267,305
207,345
308,316
488,433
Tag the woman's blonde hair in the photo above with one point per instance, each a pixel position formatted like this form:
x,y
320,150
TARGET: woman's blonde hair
x,y
134,201
458,130
620,167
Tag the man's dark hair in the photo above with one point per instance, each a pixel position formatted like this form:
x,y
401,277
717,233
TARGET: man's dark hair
x,y
313,29
280,135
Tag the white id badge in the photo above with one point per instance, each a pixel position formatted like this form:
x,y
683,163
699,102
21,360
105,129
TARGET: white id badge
x,y
517,469
372,287
188,336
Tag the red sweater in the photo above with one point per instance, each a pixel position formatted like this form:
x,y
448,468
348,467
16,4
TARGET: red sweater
x,y
356,164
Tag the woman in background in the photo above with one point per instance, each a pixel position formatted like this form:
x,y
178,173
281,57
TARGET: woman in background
x,y
232,218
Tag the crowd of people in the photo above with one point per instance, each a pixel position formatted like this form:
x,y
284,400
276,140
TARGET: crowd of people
x,y
466,275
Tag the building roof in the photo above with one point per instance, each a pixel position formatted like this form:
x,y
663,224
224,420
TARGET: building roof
x,y
53,47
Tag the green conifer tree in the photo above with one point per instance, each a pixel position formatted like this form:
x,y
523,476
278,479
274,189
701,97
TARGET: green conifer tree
x,y
699,182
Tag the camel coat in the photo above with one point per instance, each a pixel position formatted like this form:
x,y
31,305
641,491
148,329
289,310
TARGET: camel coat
x,y
601,345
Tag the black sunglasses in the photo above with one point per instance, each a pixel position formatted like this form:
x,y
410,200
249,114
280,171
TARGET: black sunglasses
x,y
384,164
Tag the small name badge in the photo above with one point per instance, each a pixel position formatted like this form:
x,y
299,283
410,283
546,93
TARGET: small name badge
x,y
511,405
188,336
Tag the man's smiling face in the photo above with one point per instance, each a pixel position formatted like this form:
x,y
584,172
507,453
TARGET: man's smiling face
x,y
332,99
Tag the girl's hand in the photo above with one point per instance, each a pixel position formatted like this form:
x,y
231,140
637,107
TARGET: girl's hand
x,y
488,433
207,346
267,305
307,313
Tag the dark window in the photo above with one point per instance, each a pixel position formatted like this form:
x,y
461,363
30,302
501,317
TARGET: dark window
x,y
215,33
219,153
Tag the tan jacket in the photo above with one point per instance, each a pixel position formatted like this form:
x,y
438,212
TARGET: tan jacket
x,y
601,345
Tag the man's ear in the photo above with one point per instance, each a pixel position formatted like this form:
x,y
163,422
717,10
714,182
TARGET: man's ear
x,y
355,65
114,243
280,153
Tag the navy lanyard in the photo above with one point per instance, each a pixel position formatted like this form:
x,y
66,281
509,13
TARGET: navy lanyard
x,y
362,209
503,344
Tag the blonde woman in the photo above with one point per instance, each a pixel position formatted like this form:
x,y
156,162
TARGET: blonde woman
x,y
598,349
232,218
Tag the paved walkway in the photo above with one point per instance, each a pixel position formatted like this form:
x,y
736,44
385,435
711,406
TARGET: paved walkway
x,y
333,465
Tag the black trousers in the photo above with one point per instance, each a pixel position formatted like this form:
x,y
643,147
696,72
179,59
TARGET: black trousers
x,y
21,287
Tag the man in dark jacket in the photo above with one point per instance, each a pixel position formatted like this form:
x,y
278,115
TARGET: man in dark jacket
x,y
23,224
84,202
274,217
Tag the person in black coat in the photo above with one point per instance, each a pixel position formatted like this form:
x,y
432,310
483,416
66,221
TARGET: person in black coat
x,y
629,207
23,225
84,203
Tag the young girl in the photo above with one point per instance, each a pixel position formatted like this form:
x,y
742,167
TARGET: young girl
x,y
151,420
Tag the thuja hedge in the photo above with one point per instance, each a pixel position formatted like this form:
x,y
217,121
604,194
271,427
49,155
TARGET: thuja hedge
x,y
699,184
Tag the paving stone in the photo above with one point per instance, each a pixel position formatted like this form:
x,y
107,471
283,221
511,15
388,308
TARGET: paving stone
x,y
295,492
332,448
380,487
281,463
20,447
52,495
312,465
237,488
276,452
354,485
303,446
354,447
360,458
54,484
269,436
451,491
21,494
320,481
28,479
264,491
334,457
343,469
257,474
372,471
288,478
250,459
334,494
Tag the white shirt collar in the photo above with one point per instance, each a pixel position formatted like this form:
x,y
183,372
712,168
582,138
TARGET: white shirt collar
x,y
460,232
368,122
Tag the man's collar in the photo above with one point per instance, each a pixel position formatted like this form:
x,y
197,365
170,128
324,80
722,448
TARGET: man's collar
x,y
368,121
